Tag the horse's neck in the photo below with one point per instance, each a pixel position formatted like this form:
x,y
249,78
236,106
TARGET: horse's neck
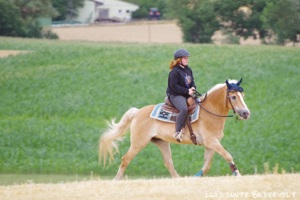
x,y
216,101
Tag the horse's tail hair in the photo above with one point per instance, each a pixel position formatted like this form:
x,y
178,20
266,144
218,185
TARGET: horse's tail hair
x,y
108,143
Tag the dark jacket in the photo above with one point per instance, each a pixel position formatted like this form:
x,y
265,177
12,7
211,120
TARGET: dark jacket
x,y
180,81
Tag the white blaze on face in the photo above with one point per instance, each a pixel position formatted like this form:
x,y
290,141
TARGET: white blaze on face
x,y
242,100
244,112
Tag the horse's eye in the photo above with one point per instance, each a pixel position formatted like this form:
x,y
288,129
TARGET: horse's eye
x,y
233,97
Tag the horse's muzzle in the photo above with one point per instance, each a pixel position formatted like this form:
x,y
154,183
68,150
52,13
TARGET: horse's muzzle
x,y
244,113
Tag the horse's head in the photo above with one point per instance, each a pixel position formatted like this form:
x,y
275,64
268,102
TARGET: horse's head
x,y
236,99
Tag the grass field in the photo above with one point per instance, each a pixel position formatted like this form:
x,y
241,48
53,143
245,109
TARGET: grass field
x,y
56,98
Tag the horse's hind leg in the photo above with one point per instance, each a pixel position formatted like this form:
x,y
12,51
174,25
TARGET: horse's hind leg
x,y
167,155
139,140
127,158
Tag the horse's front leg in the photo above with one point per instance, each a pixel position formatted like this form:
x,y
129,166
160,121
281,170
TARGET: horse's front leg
x,y
208,155
217,146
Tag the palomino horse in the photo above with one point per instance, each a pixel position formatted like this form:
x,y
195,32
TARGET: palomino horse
x,y
208,130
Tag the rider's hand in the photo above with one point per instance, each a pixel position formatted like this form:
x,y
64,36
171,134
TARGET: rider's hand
x,y
191,91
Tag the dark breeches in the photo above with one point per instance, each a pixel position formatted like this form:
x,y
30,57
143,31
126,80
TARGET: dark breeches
x,y
180,103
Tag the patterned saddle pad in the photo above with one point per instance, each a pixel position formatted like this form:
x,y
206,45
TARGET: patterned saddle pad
x,y
166,116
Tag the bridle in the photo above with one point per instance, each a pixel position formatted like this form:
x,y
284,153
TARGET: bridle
x,y
229,99
197,94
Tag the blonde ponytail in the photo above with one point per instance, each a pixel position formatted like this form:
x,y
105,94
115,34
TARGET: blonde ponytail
x,y
175,62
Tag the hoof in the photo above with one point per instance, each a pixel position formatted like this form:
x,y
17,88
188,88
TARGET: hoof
x,y
199,174
237,173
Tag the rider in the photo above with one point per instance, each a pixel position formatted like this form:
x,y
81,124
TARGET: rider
x,y
180,86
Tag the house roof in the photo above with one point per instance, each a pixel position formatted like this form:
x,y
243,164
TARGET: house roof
x,y
127,3
99,2
117,2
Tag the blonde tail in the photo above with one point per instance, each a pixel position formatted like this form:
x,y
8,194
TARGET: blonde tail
x,y
108,141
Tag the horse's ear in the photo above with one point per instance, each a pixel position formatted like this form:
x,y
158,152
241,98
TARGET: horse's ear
x,y
240,81
228,85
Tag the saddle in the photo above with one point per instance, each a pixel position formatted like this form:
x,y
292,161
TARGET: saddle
x,y
191,102
168,106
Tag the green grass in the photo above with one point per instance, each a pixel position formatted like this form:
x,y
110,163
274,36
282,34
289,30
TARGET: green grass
x,y
55,100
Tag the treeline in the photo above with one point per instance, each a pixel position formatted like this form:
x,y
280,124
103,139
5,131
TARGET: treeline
x,y
272,21
20,18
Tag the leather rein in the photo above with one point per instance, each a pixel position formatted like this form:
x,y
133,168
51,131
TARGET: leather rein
x,y
197,94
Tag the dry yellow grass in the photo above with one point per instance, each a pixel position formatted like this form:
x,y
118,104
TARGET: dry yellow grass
x,y
5,53
285,186
142,32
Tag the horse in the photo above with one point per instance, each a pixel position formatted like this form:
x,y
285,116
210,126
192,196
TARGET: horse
x,y
208,129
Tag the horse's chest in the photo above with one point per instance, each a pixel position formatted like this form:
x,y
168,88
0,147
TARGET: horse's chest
x,y
209,132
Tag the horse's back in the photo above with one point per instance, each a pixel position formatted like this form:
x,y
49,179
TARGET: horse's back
x,y
144,112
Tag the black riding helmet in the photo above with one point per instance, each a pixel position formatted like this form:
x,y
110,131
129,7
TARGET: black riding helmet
x,y
181,53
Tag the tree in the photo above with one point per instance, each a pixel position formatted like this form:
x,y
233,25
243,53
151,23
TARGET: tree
x,y
196,18
10,19
21,17
267,18
35,8
283,18
241,17
67,9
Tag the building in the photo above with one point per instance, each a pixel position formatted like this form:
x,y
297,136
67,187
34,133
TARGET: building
x,y
105,10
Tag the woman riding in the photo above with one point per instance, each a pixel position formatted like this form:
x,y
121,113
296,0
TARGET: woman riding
x,y
180,86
